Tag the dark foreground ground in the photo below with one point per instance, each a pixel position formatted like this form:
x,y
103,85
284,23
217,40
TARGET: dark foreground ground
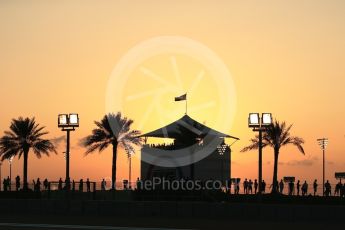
x,y
117,211
65,222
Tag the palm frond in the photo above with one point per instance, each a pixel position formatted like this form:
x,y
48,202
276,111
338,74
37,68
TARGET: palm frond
x,y
24,133
112,129
254,145
276,136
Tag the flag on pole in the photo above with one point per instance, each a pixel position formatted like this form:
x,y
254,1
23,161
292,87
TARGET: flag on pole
x,y
181,98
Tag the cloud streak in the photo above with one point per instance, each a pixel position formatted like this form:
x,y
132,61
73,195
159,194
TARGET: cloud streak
x,y
305,162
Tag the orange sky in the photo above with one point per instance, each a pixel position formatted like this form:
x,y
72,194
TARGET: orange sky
x,y
285,57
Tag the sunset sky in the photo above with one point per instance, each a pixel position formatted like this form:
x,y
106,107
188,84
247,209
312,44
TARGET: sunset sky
x,y
285,57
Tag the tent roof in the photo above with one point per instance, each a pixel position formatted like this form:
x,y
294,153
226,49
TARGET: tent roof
x,y
173,130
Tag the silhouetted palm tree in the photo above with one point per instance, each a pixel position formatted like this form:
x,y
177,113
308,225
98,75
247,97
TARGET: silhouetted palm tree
x,y
113,130
276,136
24,134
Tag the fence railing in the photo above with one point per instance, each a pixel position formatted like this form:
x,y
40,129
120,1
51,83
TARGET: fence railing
x,y
55,185
97,186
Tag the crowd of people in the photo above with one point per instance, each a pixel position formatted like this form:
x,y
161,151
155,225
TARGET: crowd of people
x,y
293,189
61,185
249,186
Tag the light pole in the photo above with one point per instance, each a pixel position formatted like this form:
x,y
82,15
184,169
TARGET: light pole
x,y
129,152
260,125
10,162
68,123
323,144
130,172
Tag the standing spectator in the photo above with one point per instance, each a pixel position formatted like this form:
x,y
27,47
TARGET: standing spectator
x,y
34,183
73,185
38,185
245,186
255,186
298,187
281,186
17,183
103,184
5,184
81,185
67,184
250,186
305,188
45,184
88,187
8,184
328,188
139,184
60,184
337,189
263,186
342,193
315,186
237,186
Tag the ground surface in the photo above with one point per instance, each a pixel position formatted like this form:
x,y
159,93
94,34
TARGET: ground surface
x,y
67,222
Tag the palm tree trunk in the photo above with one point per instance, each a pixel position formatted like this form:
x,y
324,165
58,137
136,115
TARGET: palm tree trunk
x,y
113,174
25,170
275,171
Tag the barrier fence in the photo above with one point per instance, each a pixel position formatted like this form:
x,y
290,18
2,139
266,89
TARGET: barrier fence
x,y
97,186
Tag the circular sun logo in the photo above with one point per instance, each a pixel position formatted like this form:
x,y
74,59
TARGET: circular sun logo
x,y
145,81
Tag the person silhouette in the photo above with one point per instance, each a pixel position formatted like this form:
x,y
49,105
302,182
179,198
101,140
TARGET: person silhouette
x,y
250,186
45,184
305,188
67,184
88,187
315,187
5,184
263,186
245,186
328,188
298,187
103,184
281,186
255,186
38,185
337,188
9,183
17,183
34,184
81,185
138,184
60,184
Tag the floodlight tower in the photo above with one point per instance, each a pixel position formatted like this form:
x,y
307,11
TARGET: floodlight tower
x,y
68,123
323,144
260,125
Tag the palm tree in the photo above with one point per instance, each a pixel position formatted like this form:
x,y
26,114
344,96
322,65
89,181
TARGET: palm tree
x,y
276,136
113,130
24,134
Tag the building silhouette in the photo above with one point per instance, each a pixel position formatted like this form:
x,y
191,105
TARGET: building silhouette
x,y
192,141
